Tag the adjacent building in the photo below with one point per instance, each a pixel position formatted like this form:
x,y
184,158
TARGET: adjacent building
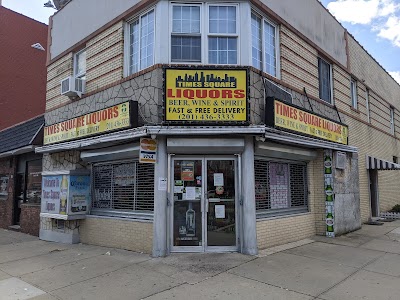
x,y
22,105
212,126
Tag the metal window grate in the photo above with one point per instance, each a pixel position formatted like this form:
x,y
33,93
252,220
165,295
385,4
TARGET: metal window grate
x,y
298,185
280,185
125,186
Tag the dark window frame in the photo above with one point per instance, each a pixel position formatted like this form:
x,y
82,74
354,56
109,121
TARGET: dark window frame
x,y
325,80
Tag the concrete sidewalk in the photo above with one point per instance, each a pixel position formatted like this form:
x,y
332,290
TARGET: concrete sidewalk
x,y
360,265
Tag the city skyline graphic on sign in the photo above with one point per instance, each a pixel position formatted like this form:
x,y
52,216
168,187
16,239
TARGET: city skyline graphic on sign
x,y
231,80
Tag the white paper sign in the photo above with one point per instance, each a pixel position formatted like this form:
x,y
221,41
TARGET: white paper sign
x,y
178,189
190,193
218,179
220,211
162,184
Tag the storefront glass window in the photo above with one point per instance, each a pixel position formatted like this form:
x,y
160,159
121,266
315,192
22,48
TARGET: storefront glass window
x,y
34,181
280,186
123,186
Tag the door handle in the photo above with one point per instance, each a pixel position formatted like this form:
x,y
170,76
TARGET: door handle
x,y
206,205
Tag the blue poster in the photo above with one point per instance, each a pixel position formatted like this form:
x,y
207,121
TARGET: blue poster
x,y
79,194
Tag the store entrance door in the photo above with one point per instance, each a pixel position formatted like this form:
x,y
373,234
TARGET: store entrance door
x,y
204,204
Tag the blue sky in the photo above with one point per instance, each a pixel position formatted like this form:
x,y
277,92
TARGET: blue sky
x,y
31,8
376,26
374,23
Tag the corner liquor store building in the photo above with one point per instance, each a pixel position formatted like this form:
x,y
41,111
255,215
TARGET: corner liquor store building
x,y
222,180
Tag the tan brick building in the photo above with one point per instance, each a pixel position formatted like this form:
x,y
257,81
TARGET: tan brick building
x,y
265,114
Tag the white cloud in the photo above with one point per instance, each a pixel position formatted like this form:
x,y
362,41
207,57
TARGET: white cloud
x,y
391,30
361,11
396,76
383,16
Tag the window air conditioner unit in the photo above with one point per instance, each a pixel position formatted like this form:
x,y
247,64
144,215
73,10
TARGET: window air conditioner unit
x,y
72,86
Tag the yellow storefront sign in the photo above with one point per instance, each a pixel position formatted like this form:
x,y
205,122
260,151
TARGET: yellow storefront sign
x,y
294,119
204,95
109,119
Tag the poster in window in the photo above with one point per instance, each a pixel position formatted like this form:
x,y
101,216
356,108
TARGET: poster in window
x,y
51,194
187,171
124,174
79,193
34,181
3,187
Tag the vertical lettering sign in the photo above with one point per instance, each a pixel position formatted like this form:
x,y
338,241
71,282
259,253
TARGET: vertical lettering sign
x,y
205,95
329,195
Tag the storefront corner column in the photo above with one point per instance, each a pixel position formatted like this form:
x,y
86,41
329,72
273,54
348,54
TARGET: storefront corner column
x,y
248,196
160,200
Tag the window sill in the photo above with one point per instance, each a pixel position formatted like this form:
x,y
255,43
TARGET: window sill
x,y
130,219
31,204
262,216
355,109
122,215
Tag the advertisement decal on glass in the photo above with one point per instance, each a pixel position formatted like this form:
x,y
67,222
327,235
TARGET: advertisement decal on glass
x,y
190,222
124,174
187,171
63,195
329,194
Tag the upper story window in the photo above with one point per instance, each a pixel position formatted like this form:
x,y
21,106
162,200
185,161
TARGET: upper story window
x,y
392,120
325,80
222,35
353,92
201,36
80,64
141,42
264,45
186,33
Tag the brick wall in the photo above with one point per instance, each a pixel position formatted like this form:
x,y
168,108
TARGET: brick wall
x,y
280,231
30,219
119,233
23,71
56,72
7,206
105,58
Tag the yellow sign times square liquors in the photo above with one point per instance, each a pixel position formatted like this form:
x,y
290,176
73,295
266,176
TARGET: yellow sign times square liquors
x,y
206,95
106,120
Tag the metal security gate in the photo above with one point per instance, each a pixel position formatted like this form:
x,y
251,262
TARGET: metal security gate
x,y
123,186
280,187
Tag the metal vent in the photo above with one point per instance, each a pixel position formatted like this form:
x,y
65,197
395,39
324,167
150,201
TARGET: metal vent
x,y
127,186
280,185
340,160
